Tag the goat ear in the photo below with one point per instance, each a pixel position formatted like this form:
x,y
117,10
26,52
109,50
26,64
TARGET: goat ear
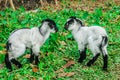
x,y
79,21
82,24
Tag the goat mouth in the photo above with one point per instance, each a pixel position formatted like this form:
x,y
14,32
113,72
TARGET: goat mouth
x,y
56,29
66,28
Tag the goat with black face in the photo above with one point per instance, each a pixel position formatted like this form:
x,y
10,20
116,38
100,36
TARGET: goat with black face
x,y
32,38
95,37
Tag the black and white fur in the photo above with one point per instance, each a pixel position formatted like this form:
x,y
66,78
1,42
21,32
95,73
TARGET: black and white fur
x,y
95,37
24,38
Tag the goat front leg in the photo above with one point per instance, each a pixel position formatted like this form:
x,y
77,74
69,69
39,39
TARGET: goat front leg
x,y
36,50
32,56
82,51
17,63
37,60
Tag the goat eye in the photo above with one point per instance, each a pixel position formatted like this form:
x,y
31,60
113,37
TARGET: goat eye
x,y
67,24
51,25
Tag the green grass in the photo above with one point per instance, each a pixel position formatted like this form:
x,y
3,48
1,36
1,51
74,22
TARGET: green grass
x,y
61,46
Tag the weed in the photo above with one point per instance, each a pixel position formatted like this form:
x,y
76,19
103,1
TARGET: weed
x,y
61,46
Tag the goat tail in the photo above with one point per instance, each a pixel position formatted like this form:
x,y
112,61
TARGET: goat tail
x,y
104,41
8,45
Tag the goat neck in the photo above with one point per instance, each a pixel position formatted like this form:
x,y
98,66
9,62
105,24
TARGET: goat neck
x,y
44,31
76,29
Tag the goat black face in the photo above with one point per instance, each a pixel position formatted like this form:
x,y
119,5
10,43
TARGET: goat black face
x,y
52,25
69,23
72,23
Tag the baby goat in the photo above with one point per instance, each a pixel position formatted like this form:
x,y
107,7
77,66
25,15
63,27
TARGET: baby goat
x,y
24,38
95,37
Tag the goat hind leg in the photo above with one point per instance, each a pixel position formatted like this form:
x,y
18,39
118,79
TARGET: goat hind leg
x,y
7,62
19,50
18,64
95,50
105,58
36,60
93,60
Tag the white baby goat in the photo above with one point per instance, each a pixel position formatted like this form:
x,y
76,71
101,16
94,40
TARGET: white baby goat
x,y
24,38
94,37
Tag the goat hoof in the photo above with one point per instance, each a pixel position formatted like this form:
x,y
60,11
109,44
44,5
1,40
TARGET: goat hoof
x,y
31,61
80,61
88,64
105,69
10,70
19,66
37,63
